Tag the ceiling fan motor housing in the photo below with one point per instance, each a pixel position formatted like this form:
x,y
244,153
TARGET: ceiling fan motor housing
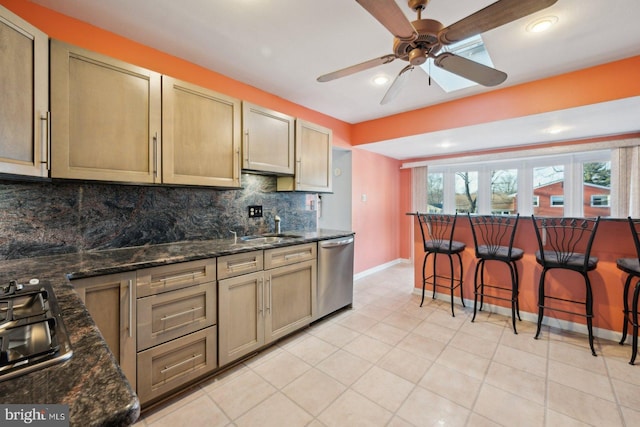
x,y
417,51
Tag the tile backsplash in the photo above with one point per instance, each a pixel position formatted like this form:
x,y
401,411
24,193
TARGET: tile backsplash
x,y
46,218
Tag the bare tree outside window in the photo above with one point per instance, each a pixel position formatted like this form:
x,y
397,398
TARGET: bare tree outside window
x,y
466,184
504,189
435,192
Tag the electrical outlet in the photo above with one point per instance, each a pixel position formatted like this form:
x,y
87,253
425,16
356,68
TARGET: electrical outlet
x,y
255,211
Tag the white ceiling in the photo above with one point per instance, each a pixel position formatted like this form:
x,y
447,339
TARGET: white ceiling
x,y
282,46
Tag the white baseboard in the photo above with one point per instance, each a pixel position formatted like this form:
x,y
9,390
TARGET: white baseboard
x,y
532,317
381,267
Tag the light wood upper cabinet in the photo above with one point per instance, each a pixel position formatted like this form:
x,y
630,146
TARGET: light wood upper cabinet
x,y
313,160
105,117
200,135
268,144
24,85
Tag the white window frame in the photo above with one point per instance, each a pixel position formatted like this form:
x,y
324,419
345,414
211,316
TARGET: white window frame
x,y
535,202
573,179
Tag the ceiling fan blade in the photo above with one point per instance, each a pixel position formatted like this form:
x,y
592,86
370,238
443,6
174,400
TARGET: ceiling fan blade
x,y
356,68
469,69
397,85
389,14
496,14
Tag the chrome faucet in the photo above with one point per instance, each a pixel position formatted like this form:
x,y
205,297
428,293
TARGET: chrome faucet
x,y
277,221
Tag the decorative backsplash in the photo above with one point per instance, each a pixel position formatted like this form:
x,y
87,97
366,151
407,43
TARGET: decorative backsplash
x,y
47,218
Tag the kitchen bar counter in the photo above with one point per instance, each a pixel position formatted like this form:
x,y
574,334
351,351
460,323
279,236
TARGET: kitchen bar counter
x,y
91,382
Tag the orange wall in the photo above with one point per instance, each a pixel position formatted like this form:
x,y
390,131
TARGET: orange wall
x,y
606,82
378,176
612,241
378,217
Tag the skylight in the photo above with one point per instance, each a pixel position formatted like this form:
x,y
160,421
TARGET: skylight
x,y
472,48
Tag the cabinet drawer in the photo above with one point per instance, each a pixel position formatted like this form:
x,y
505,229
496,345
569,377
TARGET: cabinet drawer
x,y
289,255
237,264
170,315
175,276
165,367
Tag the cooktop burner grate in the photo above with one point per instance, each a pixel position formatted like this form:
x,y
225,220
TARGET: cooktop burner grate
x,y
32,334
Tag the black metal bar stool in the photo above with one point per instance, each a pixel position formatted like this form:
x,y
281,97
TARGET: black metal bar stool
x,y
493,238
437,235
631,266
565,243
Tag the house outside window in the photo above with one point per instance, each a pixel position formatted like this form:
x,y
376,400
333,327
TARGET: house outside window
x,y
536,201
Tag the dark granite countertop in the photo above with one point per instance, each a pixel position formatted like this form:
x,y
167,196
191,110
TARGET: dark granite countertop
x,y
91,382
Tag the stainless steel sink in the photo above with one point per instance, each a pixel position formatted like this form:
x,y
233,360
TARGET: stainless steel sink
x,y
282,235
268,238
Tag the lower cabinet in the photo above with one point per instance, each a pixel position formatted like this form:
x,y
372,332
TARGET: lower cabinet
x,y
159,322
176,326
111,301
257,308
170,325
165,367
240,316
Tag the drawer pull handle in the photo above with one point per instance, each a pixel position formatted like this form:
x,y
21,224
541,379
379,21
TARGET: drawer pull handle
x,y
182,313
293,256
191,275
130,308
175,365
231,267
163,281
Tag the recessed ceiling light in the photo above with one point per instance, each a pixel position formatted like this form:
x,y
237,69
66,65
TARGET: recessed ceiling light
x,y
541,24
555,130
380,80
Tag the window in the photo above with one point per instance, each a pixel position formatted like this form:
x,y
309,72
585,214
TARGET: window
x,y
435,192
572,184
596,188
556,201
600,200
504,190
466,184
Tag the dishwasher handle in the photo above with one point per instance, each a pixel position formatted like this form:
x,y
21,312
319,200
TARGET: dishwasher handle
x,y
335,243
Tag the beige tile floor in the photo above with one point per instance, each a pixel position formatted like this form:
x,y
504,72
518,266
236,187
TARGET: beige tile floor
x,y
389,362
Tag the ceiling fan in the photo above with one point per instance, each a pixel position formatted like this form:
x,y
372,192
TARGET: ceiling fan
x,y
421,39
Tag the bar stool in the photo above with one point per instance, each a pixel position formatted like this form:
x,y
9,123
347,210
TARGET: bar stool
x,y
631,266
493,239
437,236
565,243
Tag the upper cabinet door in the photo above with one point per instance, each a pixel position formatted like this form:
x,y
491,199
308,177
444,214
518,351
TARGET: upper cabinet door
x,y
313,160
24,85
105,117
268,140
200,135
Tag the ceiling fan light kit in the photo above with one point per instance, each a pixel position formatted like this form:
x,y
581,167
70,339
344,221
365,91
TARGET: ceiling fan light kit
x,y
421,39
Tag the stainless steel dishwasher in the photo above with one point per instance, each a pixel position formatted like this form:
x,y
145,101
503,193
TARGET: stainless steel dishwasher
x,y
335,274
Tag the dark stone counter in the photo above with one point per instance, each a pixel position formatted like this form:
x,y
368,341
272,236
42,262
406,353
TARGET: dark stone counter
x,y
91,382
